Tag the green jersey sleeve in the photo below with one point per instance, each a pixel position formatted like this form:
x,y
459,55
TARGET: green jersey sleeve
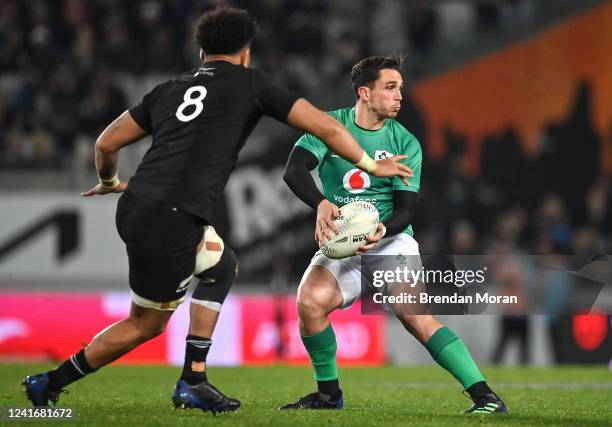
x,y
314,145
412,149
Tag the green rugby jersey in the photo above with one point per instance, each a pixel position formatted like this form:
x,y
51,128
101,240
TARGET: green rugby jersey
x,y
344,183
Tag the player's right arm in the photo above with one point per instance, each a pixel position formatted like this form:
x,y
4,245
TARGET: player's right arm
x,y
275,101
298,178
121,132
307,117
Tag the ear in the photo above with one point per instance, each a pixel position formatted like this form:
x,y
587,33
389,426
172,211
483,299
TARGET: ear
x,y
202,56
245,57
363,92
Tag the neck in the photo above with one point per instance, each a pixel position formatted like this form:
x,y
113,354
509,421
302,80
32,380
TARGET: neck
x,y
228,58
366,118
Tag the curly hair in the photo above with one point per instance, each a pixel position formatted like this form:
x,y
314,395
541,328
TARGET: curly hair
x,y
225,30
367,71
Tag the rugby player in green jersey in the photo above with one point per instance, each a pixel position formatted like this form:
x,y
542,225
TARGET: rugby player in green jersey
x,y
330,284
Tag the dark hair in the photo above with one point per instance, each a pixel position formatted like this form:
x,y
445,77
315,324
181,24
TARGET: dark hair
x,y
367,71
225,30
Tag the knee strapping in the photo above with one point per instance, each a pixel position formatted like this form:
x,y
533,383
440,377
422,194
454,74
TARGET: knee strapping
x,y
216,282
211,251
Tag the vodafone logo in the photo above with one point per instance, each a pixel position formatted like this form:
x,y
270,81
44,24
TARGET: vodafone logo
x,y
356,181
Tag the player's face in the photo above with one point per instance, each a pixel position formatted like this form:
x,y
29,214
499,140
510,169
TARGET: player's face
x,y
386,95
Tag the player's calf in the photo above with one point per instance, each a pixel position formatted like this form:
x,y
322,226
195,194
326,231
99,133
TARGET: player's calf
x,y
193,389
421,326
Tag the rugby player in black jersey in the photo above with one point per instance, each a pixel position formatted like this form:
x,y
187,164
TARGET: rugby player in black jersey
x,y
199,121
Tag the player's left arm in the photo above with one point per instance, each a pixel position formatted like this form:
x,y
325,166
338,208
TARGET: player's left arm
x,y
404,199
404,204
123,131
405,195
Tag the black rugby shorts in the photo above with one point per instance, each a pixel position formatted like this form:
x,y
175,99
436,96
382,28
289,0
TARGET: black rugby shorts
x,y
161,243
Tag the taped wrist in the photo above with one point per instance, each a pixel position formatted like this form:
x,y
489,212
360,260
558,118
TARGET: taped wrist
x,y
366,163
110,183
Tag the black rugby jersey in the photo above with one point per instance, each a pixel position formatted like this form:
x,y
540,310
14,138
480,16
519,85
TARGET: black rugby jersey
x,y
199,121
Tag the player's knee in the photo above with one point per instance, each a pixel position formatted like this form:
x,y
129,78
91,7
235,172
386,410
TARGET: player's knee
x,y
215,283
157,330
312,301
149,331
417,322
210,252
227,267
409,319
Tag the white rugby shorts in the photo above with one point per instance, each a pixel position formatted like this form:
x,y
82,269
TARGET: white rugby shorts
x,y
347,271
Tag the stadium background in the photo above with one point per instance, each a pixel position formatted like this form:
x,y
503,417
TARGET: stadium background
x,y
510,100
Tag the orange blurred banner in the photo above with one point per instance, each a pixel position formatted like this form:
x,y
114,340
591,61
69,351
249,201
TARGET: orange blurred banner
x,y
525,87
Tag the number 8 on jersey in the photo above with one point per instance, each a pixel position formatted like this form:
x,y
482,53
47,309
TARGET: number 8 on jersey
x,y
189,100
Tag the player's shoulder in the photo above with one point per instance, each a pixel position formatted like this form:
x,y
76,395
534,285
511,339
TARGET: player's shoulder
x,y
399,130
342,115
185,77
177,81
402,134
258,76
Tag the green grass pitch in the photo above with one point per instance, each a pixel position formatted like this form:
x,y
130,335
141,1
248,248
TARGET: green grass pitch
x,y
390,396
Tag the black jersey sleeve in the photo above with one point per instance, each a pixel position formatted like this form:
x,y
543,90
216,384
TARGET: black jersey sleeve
x,y
404,203
271,99
298,178
141,113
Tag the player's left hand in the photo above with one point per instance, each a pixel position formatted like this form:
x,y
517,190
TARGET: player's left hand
x,y
392,167
372,240
100,190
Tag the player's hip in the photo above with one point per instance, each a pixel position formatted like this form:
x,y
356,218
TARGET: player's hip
x,y
392,252
401,248
399,244
155,225
161,243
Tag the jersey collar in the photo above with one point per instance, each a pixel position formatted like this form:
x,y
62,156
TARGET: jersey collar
x,y
364,131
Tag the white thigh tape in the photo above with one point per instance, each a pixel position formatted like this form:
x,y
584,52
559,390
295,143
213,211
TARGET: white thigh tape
x,y
210,253
162,306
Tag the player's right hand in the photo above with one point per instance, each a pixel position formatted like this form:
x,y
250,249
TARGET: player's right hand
x,y
101,190
325,228
393,167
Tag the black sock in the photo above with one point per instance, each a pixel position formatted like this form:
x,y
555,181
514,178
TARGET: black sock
x,y
74,368
479,389
196,351
330,388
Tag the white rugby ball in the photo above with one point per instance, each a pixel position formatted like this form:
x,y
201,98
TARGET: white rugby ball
x,y
357,221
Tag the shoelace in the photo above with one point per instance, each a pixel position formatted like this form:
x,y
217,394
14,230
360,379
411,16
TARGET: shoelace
x,y
479,402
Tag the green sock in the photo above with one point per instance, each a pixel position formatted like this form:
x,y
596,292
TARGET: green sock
x,y
450,352
321,348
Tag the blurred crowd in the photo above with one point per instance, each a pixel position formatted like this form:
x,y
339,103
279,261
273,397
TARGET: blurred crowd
x,y
64,66
63,63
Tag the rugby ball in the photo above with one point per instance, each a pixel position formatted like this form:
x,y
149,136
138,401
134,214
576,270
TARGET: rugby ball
x,y
357,221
